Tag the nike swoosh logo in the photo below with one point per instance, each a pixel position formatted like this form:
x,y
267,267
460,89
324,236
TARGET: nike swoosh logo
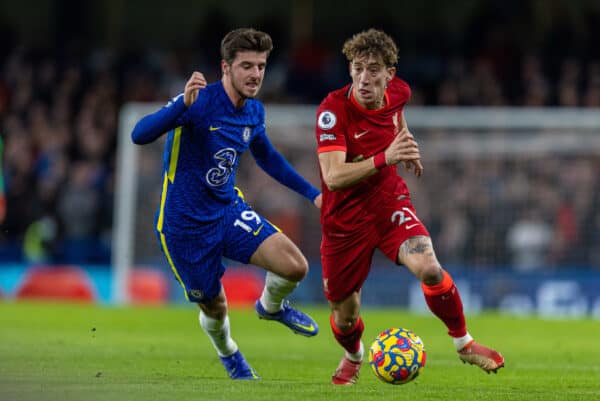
x,y
359,134
310,328
408,227
211,128
255,233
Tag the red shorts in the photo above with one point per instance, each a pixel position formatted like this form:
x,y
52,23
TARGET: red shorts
x,y
346,256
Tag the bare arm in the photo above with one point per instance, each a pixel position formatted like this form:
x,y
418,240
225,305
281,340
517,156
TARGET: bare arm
x,y
338,174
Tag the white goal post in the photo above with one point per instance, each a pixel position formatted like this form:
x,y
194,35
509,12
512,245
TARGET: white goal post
x,y
521,130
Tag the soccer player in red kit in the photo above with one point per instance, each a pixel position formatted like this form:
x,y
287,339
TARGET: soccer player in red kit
x,y
361,136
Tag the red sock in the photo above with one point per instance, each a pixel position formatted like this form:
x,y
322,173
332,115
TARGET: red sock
x,y
350,339
444,301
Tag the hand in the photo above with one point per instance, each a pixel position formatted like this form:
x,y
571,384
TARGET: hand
x,y
192,86
416,164
408,164
318,201
403,148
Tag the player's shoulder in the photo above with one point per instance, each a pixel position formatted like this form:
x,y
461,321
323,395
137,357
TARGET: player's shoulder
x,y
333,108
399,89
206,101
212,95
336,98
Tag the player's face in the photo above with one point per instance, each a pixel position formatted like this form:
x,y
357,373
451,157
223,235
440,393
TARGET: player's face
x,y
369,79
246,73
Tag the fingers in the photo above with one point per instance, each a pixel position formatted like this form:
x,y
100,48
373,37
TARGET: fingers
x,y
192,86
418,167
403,148
414,165
196,81
405,139
405,133
197,78
318,201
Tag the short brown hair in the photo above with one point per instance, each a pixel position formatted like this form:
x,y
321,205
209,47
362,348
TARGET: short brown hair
x,y
245,39
372,42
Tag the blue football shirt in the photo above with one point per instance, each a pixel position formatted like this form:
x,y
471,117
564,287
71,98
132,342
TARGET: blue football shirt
x,y
202,154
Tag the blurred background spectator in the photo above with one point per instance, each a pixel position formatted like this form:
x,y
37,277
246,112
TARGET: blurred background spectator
x,y
67,67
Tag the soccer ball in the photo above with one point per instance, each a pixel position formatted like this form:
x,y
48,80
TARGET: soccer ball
x,y
397,356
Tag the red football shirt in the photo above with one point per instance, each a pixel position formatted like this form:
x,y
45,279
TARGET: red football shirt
x,y
343,124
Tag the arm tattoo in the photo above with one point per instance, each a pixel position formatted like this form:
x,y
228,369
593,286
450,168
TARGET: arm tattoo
x,y
419,244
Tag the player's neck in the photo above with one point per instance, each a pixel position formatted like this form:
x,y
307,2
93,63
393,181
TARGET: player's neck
x,y
236,98
374,107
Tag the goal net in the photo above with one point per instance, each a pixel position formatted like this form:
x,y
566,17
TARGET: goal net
x,y
503,188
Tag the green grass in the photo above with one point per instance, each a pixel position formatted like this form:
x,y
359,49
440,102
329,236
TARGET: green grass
x,y
78,352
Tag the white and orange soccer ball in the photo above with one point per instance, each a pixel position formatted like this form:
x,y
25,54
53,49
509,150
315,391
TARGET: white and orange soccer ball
x,y
397,356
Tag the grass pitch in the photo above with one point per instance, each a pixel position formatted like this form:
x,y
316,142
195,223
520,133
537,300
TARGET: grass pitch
x,y
81,352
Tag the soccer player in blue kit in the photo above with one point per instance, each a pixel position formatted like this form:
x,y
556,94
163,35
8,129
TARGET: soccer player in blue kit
x,y
202,216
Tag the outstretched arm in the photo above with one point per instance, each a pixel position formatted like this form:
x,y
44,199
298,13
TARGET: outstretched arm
x,y
274,164
149,128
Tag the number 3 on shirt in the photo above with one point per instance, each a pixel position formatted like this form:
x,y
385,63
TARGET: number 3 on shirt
x,y
225,158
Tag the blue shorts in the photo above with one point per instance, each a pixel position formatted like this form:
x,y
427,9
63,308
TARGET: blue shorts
x,y
196,259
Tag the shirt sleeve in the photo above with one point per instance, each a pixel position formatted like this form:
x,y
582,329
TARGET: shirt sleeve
x,y
330,128
274,164
402,91
152,126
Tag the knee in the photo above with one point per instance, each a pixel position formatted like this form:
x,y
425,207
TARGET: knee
x,y
215,310
431,274
219,315
346,313
298,268
345,322
349,323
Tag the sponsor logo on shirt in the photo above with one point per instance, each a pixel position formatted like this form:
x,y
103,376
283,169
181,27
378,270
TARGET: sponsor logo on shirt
x,y
359,134
327,137
255,233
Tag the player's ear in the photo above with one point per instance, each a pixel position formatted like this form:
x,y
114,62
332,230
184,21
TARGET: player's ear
x,y
391,73
225,67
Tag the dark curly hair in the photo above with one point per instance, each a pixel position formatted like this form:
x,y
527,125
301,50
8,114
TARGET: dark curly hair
x,y
245,39
372,42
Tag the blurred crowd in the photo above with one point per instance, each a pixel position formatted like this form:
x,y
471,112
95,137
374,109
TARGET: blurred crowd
x,y
59,119
528,212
